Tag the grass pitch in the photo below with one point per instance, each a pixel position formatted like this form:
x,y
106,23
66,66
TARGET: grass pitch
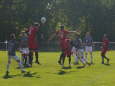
x,y
49,73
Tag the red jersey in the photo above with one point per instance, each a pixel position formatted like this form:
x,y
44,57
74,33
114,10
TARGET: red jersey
x,y
105,43
33,44
62,35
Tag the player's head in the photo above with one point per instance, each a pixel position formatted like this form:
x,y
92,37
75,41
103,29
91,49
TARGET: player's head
x,y
12,36
36,24
105,35
62,27
87,33
23,33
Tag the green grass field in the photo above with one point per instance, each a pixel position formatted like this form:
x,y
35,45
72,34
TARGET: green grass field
x,y
49,73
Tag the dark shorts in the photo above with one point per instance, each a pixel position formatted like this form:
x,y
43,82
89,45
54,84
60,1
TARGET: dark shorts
x,y
104,51
67,52
34,50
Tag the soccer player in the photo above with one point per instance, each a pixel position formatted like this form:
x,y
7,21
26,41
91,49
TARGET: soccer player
x,y
12,44
80,50
24,49
88,41
105,45
62,35
33,42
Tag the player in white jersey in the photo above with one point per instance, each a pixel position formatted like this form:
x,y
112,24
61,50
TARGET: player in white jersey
x,y
88,41
24,49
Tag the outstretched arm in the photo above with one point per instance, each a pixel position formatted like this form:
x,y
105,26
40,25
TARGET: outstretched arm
x,y
76,32
52,36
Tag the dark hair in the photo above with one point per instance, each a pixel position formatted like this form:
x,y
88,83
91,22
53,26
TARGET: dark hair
x,y
62,26
12,36
36,24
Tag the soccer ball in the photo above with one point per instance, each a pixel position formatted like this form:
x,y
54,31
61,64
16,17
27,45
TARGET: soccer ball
x,y
43,20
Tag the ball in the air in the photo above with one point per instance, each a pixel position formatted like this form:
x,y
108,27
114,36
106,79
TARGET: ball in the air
x,y
43,20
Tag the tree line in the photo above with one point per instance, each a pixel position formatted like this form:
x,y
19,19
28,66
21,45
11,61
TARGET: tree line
x,y
96,16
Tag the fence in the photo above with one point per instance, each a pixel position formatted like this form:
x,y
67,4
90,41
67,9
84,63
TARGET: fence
x,y
54,46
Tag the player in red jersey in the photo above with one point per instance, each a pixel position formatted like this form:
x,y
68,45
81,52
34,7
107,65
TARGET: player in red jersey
x,y
104,50
33,42
62,36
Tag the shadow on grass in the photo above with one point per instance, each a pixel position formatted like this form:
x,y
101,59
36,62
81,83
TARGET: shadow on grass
x,y
27,74
10,76
66,68
107,64
80,67
30,75
61,72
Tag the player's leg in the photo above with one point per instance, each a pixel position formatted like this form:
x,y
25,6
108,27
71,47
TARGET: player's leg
x,y
68,53
8,65
23,59
27,61
106,57
63,61
103,56
91,54
37,56
69,60
30,57
19,63
86,52
22,55
83,61
82,58
74,52
61,57
27,57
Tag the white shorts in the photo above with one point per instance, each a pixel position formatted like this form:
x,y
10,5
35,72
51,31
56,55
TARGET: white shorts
x,y
88,49
13,57
74,51
24,50
80,53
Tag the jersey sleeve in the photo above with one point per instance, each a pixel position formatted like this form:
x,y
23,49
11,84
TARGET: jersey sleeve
x,y
66,31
